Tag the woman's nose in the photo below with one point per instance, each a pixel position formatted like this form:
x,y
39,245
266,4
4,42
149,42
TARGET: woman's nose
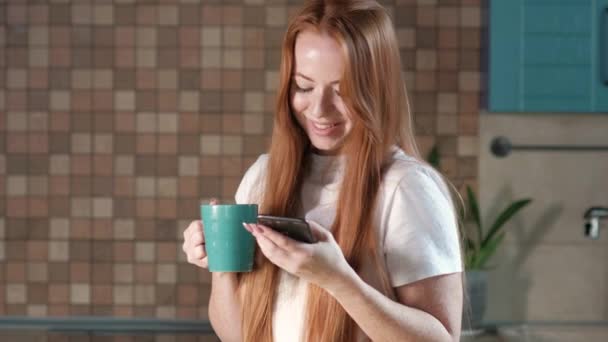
x,y
322,103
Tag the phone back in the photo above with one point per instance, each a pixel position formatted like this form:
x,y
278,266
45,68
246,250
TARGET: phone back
x,y
296,229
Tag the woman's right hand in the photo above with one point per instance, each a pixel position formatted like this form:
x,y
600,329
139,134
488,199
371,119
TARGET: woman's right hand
x,y
194,243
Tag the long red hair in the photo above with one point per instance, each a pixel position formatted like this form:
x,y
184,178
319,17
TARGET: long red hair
x,y
375,96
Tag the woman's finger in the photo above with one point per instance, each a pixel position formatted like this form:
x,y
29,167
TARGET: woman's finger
x,y
204,263
193,227
198,238
198,252
269,248
277,238
187,236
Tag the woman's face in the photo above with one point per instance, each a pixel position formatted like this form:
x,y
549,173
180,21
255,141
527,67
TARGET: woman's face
x,y
315,91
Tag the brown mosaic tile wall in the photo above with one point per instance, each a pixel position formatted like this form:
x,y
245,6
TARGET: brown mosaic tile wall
x,y
119,117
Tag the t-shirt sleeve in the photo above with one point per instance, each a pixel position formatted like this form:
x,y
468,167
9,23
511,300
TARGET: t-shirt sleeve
x,y
249,190
422,237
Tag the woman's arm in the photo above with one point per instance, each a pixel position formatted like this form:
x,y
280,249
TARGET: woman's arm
x,y
224,307
428,310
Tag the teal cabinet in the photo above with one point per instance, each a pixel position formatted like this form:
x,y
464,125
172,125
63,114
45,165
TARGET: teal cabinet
x,y
548,56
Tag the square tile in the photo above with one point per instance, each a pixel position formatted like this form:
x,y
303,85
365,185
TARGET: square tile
x,y
58,251
233,37
17,121
38,14
102,207
167,79
449,16
123,273
145,57
426,16
211,15
189,14
210,144
253,38
144,294
254,59
426,59
103,14
82,14
146,122
167,187
147,15
469,81
167,122
468,145
167,274
470,16
189,36
210,79
145,187
123,294
38,36
168,15
189,57
211,58
211,36
232,15
15,294
144,252
124,100
232,145
80,294
276,16
38,57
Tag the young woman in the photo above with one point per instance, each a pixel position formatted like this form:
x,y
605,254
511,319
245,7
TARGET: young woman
x,y
387,263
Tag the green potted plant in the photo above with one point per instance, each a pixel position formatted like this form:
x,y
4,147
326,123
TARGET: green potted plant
x,y
480,243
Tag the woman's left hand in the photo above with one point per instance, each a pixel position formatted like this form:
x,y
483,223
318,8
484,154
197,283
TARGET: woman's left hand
x,y
321,263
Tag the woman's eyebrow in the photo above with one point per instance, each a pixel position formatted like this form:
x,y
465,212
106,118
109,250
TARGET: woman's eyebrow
x,y
310,79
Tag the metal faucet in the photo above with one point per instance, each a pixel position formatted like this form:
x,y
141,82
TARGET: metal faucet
x,y
592,221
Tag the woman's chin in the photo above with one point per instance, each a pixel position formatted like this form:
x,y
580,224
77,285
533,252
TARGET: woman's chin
x,y
326,148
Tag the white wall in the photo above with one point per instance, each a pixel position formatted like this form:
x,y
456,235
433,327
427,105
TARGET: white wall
x,y
547,269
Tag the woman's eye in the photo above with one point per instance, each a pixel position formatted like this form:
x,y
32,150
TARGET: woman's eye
x,y
302,90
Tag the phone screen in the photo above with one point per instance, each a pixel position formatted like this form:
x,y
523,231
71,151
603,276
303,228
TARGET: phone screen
x,y
294,228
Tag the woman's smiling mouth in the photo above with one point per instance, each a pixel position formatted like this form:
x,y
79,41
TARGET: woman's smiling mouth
x,y
324,129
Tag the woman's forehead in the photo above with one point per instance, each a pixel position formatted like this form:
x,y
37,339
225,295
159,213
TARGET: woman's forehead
x,y
318,53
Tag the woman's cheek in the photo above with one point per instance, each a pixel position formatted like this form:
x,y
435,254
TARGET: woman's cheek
x,y
298,103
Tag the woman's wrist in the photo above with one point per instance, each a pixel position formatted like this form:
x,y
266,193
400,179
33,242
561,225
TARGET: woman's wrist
x,y
223,277
345,283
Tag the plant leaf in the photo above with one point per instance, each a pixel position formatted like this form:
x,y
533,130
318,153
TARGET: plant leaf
x,y
474,209
486,251
433,157
504,217
470,252
469,262
470,244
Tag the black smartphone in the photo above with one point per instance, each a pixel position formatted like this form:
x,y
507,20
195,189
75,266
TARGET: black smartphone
x,y
294,228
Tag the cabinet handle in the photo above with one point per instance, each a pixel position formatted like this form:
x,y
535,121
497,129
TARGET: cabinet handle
x,y
604,47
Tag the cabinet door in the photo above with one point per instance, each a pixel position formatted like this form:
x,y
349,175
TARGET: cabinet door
x,y
600,76
545,56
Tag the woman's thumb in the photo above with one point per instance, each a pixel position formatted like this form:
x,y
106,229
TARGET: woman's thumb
x,y
318,231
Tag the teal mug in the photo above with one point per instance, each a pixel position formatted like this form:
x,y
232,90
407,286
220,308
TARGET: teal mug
x,y
230,248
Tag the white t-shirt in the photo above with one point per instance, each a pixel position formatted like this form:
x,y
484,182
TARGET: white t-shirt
x,y
414,220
